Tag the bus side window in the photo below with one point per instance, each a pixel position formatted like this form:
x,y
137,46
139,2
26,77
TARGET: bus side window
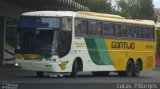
x,y
144,32
94,28
151,32
80,27
147,32
98,28
131,31
121,30
107,29
136,31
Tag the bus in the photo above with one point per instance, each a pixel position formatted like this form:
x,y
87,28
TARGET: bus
x,y
73,42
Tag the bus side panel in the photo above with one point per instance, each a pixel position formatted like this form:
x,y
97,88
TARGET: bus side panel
x,y
93,53
100,54
121,50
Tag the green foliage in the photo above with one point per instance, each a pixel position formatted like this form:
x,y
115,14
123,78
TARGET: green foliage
x,y
131,9
102,6
136,9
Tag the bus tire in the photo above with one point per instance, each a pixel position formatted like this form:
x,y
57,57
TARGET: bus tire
x,y
129,69
137,68
74,69
104,73
39,74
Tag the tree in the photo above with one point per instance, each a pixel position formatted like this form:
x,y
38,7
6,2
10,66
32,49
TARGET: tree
x,y
136,9
102,6
131,9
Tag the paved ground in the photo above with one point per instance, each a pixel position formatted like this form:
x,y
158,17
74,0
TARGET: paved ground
x,y
85,79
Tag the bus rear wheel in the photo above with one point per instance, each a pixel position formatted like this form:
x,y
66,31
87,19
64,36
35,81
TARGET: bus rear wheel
x,y
39,74
137,69
74,69
129,69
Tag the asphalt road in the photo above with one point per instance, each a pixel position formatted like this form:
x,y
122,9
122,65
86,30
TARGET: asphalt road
x,y
29,78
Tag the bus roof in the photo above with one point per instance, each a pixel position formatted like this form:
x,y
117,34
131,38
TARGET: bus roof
x,y
89,15
50,13
114,18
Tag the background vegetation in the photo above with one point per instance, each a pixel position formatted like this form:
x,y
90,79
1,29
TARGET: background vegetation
x,y
131,9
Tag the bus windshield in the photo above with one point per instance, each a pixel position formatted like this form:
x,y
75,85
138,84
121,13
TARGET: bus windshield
x,y
40,22
38,35
43,35
37,41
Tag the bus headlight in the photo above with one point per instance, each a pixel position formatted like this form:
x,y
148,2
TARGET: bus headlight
x,y
17,64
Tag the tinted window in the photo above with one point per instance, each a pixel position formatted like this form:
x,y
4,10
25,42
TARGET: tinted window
x,y
133,31
80,27
107,29
40,22
144,32
121,30
94,28
152,33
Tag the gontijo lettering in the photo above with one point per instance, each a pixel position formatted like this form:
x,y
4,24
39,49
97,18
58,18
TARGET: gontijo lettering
x,y
123,45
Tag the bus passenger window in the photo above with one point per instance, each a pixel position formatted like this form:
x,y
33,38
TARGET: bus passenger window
x,y
151,33
121,30
80,27
94,28
131,33
144,32
147,32
136,31
107,29
98,28
141,32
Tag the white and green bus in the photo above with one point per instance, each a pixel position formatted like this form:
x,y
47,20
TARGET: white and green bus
x,y
69,42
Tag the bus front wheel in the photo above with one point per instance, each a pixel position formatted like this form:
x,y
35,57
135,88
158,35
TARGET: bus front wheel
x,y
74,69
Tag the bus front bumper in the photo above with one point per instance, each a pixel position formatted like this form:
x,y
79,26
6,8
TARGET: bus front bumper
x,y
37,65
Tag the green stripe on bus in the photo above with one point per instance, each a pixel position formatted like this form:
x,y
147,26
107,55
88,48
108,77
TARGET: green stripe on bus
x,y
93,52
97,51
103,51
